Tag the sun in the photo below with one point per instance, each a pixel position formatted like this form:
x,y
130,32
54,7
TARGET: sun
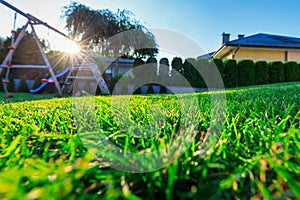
x,y
71,47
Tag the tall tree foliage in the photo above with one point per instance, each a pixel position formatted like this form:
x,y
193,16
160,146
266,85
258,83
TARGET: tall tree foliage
x,y
99,30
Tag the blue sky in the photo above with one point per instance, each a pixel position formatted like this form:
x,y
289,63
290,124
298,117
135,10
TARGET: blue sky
x,y
201,20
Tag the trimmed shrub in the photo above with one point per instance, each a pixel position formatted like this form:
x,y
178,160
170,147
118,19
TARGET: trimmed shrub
x,y
151,60
164,61
138,91
138,62
23,85
2,76
298,79
37,82
230,73
203,73
1,86
177,64
163,72
153,65
176,72
163,89
276,72
246,73
216,71
150,89
220,65
11,84
190,73
291,71
261,72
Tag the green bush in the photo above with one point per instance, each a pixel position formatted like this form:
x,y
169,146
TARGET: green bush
x,y
150,89
1,87
291,71
11,84
138,91
164,61
163,72
23,85
276,72
163,89
138,62
2,76
153,65
190,73
216,71
177,64
261,72
230,73
298,77
37,82
176,72
202,74
246,73
220,65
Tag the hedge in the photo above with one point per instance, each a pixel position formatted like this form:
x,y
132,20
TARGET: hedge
x,y
153,65
37,82
23,87
11,84
176,72
138,62
219,64
276,72
246,73
203,67
177,64
230,73
2,76
291,71
261,72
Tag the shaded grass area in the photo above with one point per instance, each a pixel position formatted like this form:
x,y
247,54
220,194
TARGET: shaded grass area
x,y
256,156
19,97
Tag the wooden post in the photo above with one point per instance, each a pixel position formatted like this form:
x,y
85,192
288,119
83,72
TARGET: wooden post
x,y
16,43
46,61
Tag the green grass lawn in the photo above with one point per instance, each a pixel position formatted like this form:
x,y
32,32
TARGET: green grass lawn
x,y
256,156
19,97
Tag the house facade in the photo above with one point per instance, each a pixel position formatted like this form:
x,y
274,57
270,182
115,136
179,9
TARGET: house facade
x,y
259,47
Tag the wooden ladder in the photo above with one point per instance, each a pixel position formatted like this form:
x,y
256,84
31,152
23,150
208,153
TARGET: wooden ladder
x,y
95,74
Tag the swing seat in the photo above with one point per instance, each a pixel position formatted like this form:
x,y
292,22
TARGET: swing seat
x,y
14,32
45,80
5,81
10,95
11,47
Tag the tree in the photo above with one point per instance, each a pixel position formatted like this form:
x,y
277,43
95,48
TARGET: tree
x,y
99,30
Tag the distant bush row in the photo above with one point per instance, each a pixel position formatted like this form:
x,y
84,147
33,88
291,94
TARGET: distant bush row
x,y
203,73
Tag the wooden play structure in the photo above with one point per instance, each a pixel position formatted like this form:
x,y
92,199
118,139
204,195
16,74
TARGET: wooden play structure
x,y
85,64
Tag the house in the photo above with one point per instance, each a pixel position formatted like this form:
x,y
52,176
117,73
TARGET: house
x,y
259,47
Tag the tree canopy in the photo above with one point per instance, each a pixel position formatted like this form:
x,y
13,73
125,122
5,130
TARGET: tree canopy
x,y
105,31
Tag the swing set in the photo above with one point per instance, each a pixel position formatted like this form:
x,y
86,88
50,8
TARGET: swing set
x,y
88,63
15,41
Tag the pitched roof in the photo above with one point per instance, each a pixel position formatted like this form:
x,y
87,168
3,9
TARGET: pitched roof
x,y
208,55
266,40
